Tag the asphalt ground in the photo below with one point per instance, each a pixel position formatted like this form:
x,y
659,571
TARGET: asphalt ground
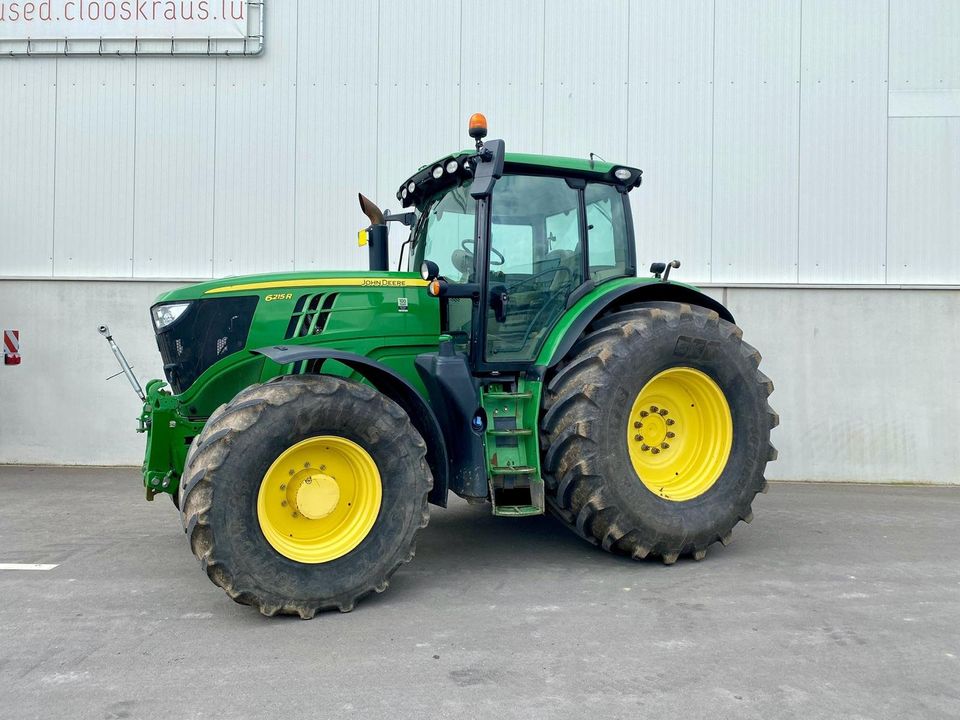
x,y
838,601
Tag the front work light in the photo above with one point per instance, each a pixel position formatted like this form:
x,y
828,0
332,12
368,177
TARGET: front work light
x,y
452,166
429,270
437,172
411,187
164,315
622,174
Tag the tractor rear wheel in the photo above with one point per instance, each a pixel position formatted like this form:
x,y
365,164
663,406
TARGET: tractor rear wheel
x,y
305,493
656,432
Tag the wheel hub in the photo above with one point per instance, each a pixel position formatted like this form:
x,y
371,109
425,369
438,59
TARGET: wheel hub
x,y
318,496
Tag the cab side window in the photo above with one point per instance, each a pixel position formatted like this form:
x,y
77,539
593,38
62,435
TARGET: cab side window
x,y
607,232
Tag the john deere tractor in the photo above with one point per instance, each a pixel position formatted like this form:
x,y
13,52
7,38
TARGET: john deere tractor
x,y
518,361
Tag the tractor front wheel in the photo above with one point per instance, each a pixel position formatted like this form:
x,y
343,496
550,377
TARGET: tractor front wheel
x,y
656,432
305,493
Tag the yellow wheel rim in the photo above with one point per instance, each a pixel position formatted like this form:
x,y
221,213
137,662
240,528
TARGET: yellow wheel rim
x,y
679,433
319,499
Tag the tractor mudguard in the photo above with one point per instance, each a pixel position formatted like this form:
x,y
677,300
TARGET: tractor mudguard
x,y
625,295
395,387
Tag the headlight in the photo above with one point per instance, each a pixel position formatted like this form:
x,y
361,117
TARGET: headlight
x,y
163,315
622,174
411,187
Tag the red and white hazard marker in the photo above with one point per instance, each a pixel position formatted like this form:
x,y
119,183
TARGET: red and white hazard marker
x,y
11,347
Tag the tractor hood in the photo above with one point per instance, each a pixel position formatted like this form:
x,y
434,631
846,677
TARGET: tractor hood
x,y
217,325
269,284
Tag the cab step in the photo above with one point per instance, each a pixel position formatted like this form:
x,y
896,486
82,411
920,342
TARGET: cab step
x,y
510,432
512,448
512,470
498,395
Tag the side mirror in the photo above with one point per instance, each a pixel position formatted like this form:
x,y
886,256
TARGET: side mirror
x,y
429,270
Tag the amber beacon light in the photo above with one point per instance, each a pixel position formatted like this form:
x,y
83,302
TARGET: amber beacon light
x,y
478,126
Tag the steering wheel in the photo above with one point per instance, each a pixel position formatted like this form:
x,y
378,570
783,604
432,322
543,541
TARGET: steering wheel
x,y
496,252
548,271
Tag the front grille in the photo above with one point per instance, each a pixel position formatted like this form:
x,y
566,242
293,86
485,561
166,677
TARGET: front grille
x,y
310,315
206,332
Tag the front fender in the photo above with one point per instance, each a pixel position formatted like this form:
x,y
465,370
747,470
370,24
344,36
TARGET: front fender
x,y
395,387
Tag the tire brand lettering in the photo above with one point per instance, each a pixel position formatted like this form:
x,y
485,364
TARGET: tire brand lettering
x,y
696,348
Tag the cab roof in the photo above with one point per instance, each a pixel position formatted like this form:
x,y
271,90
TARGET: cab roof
x,y
438,175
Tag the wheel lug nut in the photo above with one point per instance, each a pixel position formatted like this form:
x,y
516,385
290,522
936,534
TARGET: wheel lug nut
x,y
306,464
308,480
296,514
644,447
283,503
654,408
664,445
655,450
638,424
643,413
671,434
638,437
663,412
670,421
283,487
292,471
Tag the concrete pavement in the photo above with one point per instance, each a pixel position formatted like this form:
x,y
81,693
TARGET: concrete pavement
x,y
838,601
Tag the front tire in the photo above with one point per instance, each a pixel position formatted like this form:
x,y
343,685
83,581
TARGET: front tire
x,y
625,473
305,494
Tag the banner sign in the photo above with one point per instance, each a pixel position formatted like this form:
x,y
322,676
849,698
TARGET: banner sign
x,y
28,20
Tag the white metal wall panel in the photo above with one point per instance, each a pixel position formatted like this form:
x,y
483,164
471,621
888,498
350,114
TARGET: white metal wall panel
x,y
924,45
843,138
255,153
93,214
27,135
670,130
336,131
175,167
585,96
175,124
418,114
924,230
502,72
755,141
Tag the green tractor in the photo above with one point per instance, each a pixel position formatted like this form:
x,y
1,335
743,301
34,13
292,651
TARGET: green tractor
x,y
520,361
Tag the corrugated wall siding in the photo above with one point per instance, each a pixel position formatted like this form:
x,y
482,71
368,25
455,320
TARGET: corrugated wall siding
x,y
783,141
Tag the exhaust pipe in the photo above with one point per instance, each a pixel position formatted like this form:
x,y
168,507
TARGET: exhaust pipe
x,y
377,235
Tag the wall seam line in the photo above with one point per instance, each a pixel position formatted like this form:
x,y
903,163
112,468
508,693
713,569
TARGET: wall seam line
x,y
886,179
626,129
543,79
296,130
56,132
213,195
133,185
376,142
799,142
713,131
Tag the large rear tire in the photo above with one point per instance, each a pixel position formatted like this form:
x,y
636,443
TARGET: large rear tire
x,y
656,432
305,494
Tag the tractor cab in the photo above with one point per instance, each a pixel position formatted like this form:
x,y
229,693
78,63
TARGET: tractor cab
x,y
526,234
